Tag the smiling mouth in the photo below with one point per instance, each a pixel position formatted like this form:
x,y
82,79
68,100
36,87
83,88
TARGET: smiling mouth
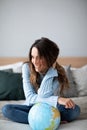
x,y
37,67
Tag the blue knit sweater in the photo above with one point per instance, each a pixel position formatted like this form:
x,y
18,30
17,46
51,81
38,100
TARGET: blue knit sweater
x,y
46,90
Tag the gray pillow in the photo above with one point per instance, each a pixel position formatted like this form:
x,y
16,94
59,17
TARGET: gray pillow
x,y
80,77
72,90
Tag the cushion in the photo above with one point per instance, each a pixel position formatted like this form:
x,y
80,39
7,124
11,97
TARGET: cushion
x,y
11,87
80,77
72,90
82,102
8,70
16,67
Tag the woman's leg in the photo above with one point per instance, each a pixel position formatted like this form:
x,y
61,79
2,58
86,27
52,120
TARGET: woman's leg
x,y
68,114
17,113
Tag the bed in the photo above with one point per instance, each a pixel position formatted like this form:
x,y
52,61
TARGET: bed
x,y
77,65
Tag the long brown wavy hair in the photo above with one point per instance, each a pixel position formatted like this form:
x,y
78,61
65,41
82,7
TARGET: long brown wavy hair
x,y
50,51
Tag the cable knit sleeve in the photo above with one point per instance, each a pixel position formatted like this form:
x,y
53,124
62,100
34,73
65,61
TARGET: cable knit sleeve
x,y
44,95
49,84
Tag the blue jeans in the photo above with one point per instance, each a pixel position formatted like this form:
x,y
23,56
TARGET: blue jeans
x,y
69,114
19,113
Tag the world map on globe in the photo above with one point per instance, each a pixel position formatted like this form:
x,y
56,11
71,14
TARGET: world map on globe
x,y
44,117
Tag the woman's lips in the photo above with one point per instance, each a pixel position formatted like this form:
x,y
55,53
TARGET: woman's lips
x,y
37,67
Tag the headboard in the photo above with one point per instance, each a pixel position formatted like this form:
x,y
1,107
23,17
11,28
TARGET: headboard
x,y
74,61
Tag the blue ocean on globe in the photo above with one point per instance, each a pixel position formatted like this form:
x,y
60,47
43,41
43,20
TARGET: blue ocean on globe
x,y
44,117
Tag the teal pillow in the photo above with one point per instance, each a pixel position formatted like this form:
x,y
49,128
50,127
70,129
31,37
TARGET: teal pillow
x,y
11,87
8,70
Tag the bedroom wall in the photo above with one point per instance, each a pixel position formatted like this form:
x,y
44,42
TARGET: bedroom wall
x,y
23,21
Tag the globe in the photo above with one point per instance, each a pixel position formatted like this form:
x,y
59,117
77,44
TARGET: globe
x,y
43,117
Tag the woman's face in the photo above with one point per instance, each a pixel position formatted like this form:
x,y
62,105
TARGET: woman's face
x,y
38,62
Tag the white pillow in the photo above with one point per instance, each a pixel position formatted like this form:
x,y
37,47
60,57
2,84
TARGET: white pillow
x,y
80,77
16,67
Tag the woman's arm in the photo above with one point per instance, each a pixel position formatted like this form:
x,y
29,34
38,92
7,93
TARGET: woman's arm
x,y
49,83
67,102
45,93
30,94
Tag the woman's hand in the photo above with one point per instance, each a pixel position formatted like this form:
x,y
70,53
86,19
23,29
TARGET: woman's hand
x,y
67,102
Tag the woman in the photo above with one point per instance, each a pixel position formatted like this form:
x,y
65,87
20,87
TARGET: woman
x,y
42,76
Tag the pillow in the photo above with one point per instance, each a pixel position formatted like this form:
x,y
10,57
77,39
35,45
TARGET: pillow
x,y
80,77
8,70
16,67
11,87
72,90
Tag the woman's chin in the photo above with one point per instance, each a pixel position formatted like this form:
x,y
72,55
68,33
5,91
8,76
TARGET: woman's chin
x,y
37,70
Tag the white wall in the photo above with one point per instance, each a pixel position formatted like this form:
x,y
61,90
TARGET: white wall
x,y
23,21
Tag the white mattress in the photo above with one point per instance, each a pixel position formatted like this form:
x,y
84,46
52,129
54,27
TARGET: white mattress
x,y
80,124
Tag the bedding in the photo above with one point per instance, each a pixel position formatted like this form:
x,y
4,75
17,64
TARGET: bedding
x,y
78,91
79,124
15,67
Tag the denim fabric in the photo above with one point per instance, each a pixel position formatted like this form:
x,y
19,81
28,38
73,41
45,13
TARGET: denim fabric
x,y
68,114
16,113
19,113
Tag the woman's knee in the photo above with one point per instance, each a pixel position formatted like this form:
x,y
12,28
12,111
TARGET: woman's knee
x,y
70,114
75,113
6,110
77,109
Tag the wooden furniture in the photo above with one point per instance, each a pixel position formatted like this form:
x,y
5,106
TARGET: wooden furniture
x,y
74,61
